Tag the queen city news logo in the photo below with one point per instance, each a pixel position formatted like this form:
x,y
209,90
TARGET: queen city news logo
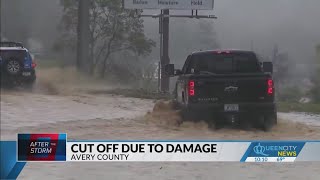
x,y
275,149
42,147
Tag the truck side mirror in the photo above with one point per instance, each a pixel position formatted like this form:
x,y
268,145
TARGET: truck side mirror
x,y
267,67
169,69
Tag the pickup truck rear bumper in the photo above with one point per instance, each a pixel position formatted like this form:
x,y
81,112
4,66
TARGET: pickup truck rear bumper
x,y
248,108
247,111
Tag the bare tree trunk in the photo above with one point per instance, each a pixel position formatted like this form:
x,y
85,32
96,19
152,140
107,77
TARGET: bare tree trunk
x,y
91,64
83,35
103,71
91,55
109,49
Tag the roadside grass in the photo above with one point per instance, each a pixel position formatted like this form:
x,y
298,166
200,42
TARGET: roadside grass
x,y
298,107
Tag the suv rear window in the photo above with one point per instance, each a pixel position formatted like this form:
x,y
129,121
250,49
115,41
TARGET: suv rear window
x,y
7,54
224,63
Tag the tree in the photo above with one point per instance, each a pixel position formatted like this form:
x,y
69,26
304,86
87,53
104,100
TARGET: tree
x,y
281,64
112,30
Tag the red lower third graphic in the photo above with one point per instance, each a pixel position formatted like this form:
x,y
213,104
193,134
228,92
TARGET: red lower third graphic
x,y
42,147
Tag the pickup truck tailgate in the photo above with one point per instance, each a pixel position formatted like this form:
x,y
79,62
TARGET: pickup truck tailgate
x,y
232,88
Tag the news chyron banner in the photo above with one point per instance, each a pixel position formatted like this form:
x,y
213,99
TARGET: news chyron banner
x,y
56,148
193,151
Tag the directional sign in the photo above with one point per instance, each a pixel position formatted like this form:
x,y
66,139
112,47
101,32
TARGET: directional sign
x,y
169,4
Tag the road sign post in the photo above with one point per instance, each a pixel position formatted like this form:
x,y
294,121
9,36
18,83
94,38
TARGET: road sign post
x,y
165,6
83,34
165,81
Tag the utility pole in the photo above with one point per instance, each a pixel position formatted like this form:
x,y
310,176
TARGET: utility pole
x,y
165,81
83,35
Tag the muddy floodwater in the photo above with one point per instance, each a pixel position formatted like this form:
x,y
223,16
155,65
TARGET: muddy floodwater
x,y
86,116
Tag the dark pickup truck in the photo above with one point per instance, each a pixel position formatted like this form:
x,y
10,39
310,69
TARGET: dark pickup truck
x,y
227,86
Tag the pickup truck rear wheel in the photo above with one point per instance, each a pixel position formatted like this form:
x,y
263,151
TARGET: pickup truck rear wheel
x,y
188,115
246,124
185,115
215,125
268,122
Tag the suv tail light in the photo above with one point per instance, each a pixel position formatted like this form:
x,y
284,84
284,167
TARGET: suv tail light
x,y
191,88
270,87
34,64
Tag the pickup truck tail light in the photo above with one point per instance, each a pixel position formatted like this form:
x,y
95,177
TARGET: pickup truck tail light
x,y
191,88
270,87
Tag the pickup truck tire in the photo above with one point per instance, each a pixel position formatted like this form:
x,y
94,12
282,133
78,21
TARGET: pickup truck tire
x,y
245,124
268,122
186,115
215,125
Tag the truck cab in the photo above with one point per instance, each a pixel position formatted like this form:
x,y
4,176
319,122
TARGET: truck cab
x,y
229,86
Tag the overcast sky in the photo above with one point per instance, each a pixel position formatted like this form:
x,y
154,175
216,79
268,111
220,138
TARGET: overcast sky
x,y
292,24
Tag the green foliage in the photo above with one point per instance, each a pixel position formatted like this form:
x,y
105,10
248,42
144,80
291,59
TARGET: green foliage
x,y
298,107
112,30
290,94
